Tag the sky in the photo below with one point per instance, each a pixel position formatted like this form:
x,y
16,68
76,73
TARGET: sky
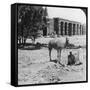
x,y
73,14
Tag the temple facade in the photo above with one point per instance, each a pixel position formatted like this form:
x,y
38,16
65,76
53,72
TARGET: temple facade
x,y
61,26
64,27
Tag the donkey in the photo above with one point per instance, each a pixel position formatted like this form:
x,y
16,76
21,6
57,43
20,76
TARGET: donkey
x,y
58,44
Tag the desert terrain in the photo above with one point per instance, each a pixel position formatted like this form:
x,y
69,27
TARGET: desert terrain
x,y
34,66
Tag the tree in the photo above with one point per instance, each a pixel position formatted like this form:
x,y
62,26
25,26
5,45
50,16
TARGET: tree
x,y
30,20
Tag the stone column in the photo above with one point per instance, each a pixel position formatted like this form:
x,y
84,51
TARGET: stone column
x,y
63,28
73,29
77,29
80,29
66,29
70,29
83,30
59,28
56,25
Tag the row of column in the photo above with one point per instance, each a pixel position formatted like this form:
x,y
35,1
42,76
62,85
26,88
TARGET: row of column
x,y
67,28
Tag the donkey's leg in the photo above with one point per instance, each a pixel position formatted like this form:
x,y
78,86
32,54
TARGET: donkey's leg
x,y
57,55
60,57
50,53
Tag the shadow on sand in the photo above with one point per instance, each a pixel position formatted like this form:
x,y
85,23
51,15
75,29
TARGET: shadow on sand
x,y
55,60
77,64
30,46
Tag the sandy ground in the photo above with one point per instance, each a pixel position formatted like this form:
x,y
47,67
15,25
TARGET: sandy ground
x,y
34,66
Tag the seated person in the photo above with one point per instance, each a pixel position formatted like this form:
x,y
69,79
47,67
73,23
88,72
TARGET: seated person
x,y
71,59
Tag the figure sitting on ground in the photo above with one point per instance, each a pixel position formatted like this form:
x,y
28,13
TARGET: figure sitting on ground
x,y
71,59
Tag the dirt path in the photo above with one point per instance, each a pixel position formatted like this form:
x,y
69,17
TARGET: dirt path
x,y
35,67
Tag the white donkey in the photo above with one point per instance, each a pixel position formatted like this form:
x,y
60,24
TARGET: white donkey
x,y
58,44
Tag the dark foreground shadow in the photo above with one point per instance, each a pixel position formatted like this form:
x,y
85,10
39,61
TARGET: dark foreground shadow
x,y
30,46
80,63
55,60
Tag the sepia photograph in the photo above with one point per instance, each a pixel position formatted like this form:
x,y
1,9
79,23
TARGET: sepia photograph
x,y
52,44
